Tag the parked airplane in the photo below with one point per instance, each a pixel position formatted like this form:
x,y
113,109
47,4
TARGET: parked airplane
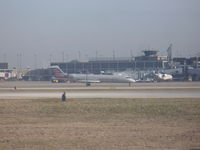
x,y
152,77
93,78
163,77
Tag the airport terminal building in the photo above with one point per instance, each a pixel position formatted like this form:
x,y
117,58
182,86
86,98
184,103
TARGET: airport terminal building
x,y
3,65
149,61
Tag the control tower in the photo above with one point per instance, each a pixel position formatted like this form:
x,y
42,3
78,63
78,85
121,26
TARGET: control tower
x,y
148,53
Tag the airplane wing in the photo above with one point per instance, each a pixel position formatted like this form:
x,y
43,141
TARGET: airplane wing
x,y
89,81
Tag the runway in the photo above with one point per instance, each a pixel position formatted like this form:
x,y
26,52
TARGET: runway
x,y
36,90
103,94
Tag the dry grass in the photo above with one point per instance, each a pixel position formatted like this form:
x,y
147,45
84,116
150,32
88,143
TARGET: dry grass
x,y
100,124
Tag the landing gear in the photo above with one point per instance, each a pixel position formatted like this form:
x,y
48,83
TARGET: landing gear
x,y
88,84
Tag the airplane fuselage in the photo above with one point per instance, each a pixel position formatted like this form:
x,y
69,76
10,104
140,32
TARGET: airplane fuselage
x,y
100,78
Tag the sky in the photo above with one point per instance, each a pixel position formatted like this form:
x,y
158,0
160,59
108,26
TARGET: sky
x,y
35,32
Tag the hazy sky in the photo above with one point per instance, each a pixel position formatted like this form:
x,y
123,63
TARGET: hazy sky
x,y
40,30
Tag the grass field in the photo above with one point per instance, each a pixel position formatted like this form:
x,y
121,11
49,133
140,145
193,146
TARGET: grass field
x,y
100,124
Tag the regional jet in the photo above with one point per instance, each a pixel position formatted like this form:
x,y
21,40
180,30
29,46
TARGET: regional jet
x,y
94,78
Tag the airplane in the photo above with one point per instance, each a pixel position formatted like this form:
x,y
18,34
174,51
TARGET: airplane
x,y
163,77
97,78
55,74
153,77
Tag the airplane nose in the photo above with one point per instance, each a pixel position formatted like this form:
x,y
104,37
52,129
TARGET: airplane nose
x,y
132,80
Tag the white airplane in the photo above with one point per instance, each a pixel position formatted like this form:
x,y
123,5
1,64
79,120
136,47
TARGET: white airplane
x,y
93,78
164,77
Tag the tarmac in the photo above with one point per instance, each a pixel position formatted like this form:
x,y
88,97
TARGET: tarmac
x,y
34,90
